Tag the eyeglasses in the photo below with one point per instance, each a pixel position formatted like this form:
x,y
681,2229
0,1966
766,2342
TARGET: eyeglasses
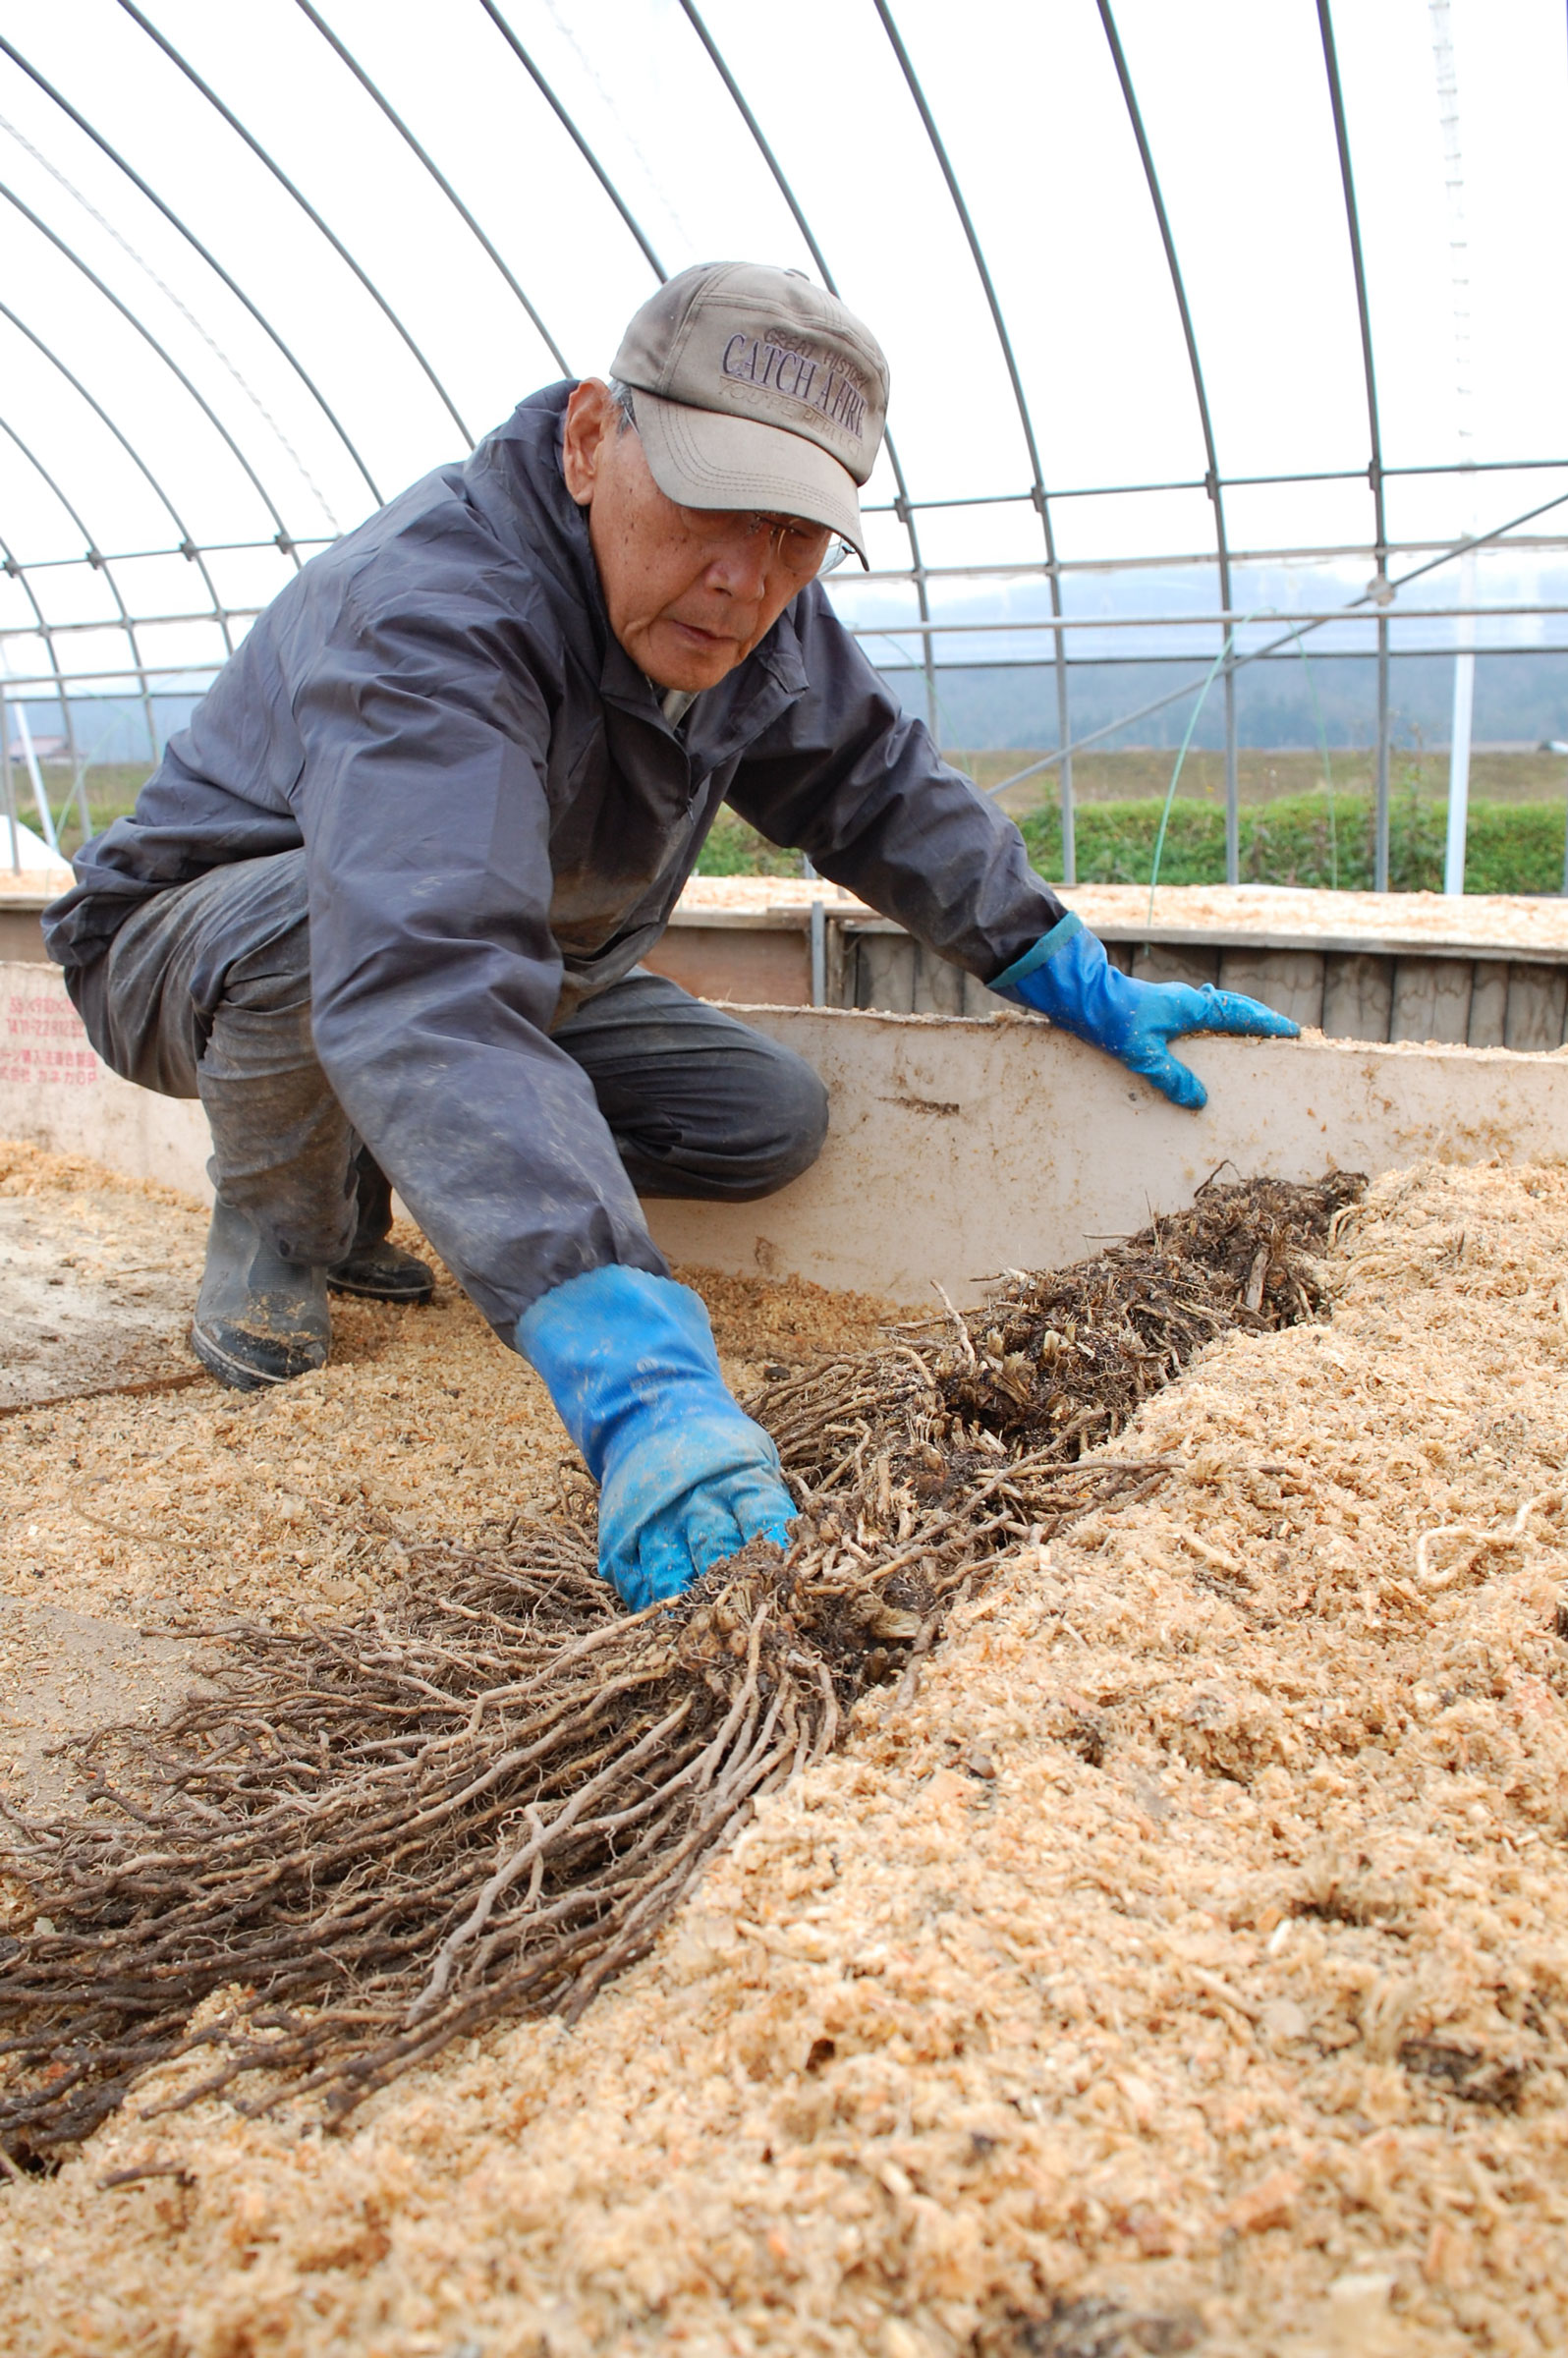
x,y
805,550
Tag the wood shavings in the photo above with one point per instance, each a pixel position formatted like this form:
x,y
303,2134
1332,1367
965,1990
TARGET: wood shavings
x,y
1435,1578
1517,922
487,1796
967,2097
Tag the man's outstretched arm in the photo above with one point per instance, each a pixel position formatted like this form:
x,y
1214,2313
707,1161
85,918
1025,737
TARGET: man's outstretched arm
x,y
850,778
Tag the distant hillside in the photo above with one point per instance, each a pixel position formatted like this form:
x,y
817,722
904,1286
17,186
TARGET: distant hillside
x,y
1520,700
999,698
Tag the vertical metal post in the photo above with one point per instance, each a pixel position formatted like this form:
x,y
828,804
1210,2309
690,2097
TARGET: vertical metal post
x,y
905,516
78,786
1232,779
30,756
1375,469
1211,476
1064,741
1459,738
819,955
1380,845
1459,284
1459,775
79,767
6,794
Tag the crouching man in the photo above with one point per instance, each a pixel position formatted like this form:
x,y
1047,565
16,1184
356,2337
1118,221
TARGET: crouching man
x,y
382,904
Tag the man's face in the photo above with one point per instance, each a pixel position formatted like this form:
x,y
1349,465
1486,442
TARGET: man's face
x,y
689,592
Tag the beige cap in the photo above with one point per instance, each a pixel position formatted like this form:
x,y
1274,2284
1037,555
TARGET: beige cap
x,y
757,389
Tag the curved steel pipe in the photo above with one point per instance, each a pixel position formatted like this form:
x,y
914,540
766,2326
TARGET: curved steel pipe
x,y
1212,479
1037,492
187,545
1296,632
576,136
262,156
89,131
60,245
902,506
10,565
347,58
137,667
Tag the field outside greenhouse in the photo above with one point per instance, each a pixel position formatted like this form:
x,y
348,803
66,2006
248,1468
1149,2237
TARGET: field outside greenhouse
x,y
1298,827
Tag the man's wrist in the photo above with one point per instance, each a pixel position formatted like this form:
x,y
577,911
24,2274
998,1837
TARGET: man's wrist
x,y
1060,935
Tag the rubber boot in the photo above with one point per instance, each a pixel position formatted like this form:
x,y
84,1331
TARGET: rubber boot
x,y
260,1319
372,1267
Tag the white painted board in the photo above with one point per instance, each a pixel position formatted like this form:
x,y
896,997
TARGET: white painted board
x,y
957,1148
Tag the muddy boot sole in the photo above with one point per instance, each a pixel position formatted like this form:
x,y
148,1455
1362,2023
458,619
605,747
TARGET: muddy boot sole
x,y
258,1319
249,1363
400,1279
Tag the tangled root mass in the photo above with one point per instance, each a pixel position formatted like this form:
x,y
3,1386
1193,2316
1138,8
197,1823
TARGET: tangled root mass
x,y
487,1797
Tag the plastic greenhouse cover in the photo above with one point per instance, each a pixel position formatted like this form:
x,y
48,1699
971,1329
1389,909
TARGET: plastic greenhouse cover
x,y
263,266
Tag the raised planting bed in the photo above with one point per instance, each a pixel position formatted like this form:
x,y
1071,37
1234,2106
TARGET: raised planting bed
x,y
1169,1956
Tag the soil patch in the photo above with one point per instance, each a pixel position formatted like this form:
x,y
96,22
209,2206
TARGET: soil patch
x,y
96,1280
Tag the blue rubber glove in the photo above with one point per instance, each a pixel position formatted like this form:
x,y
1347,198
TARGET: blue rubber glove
x,y
684,1478
1068,976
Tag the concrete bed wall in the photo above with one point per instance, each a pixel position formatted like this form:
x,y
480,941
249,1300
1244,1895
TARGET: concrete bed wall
x,y
957,1149
1366,990
1449,994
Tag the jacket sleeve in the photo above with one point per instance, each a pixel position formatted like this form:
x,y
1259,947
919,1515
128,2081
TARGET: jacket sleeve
x,y
434,975
848,777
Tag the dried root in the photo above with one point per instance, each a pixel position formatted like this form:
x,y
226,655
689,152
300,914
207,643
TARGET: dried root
x,y
488,1797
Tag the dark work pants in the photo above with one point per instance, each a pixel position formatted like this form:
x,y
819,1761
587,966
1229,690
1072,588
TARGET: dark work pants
x,y
205,992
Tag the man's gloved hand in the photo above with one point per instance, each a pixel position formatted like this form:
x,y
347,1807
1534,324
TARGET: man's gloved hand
x,y
1068,976
684,1478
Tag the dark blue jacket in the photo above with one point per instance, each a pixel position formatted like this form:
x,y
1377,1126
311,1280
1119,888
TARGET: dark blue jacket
x,y
498,819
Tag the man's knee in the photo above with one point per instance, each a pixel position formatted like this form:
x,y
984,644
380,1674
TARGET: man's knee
x,y
797,1103
772,1119
257,985
230,947
275,976
262,938
748,1118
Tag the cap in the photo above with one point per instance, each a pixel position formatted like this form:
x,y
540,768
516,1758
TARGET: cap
x,y
757,389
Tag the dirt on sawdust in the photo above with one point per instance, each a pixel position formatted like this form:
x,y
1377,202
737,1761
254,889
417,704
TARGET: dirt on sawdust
x,y
1516,923
95,1280
1182,1967
163,1508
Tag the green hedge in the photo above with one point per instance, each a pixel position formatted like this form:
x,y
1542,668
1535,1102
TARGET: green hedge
x,y
1299,839
1308,839
734,849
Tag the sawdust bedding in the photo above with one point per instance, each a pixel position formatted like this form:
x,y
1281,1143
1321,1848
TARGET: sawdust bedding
x,y
1519,922
173,1508
92,1281
1182,1967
